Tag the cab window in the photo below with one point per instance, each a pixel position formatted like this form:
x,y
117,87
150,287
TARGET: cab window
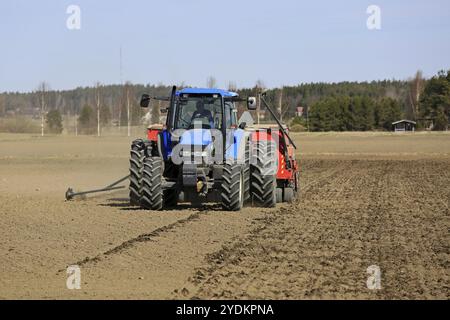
x,y
230,114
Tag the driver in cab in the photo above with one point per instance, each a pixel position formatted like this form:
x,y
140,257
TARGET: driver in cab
x,y
201,113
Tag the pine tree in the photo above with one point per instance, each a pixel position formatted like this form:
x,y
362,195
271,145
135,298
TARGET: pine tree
x,y
87,120
54,121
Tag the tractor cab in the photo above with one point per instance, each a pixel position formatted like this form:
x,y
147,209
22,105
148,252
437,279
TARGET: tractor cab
x,y
205,120
198,118
205,108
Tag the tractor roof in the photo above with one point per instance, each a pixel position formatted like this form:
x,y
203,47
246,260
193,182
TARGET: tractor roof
x,y
223,93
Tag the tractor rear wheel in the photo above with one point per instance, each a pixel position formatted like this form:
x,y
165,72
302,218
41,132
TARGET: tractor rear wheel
x,y
246,172
232,192
136,166
263,174
152,184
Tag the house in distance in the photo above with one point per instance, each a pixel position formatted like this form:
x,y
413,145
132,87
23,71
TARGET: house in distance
x,y
404,125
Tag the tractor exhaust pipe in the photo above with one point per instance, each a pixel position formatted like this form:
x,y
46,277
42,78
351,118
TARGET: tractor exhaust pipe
x,y
70,193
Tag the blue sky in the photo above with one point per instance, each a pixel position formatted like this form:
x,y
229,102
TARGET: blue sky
x,y
282,42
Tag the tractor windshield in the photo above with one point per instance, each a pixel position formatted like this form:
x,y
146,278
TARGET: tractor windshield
x,y
199,112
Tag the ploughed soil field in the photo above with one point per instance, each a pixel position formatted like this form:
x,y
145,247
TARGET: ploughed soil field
x,y
367,199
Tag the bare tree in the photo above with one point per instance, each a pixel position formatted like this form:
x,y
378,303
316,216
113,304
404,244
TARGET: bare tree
x,y
127,90
259,89
232,86
42,92
76,125
119,110
416,85
2,105
260,84
211,82
180,85
284,103
280,104
156,112
71,108
97,102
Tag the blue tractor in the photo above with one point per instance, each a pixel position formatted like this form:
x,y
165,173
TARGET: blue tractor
x,y
201,155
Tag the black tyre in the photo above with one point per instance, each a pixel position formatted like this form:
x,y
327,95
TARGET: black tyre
x,y
246,173
263,174
152,184
136,166
232,192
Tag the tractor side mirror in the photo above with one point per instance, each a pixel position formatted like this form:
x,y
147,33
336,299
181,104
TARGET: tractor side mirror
x,y
145,101
251,103
242,125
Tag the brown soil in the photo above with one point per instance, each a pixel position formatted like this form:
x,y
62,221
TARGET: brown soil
x,y
366,199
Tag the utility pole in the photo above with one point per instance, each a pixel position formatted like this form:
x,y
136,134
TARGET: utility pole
x,y
42,113
75,118
128,110
76,125
121,88
43,87
120,109
97,96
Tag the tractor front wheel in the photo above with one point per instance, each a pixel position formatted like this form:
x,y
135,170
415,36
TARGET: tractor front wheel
x,y
152,184
136,166
232,192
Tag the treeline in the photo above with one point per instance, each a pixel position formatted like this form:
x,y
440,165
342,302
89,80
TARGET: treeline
x,y
306,95
344,106
113,97
359,113
363,106
85,108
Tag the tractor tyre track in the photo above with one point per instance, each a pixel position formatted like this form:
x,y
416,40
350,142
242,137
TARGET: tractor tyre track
x,y
357,215
140,238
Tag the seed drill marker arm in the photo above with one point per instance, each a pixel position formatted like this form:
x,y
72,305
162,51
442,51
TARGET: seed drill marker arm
x,y
70,193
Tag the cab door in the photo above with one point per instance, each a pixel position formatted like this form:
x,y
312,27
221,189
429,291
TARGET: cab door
x,y
232,131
